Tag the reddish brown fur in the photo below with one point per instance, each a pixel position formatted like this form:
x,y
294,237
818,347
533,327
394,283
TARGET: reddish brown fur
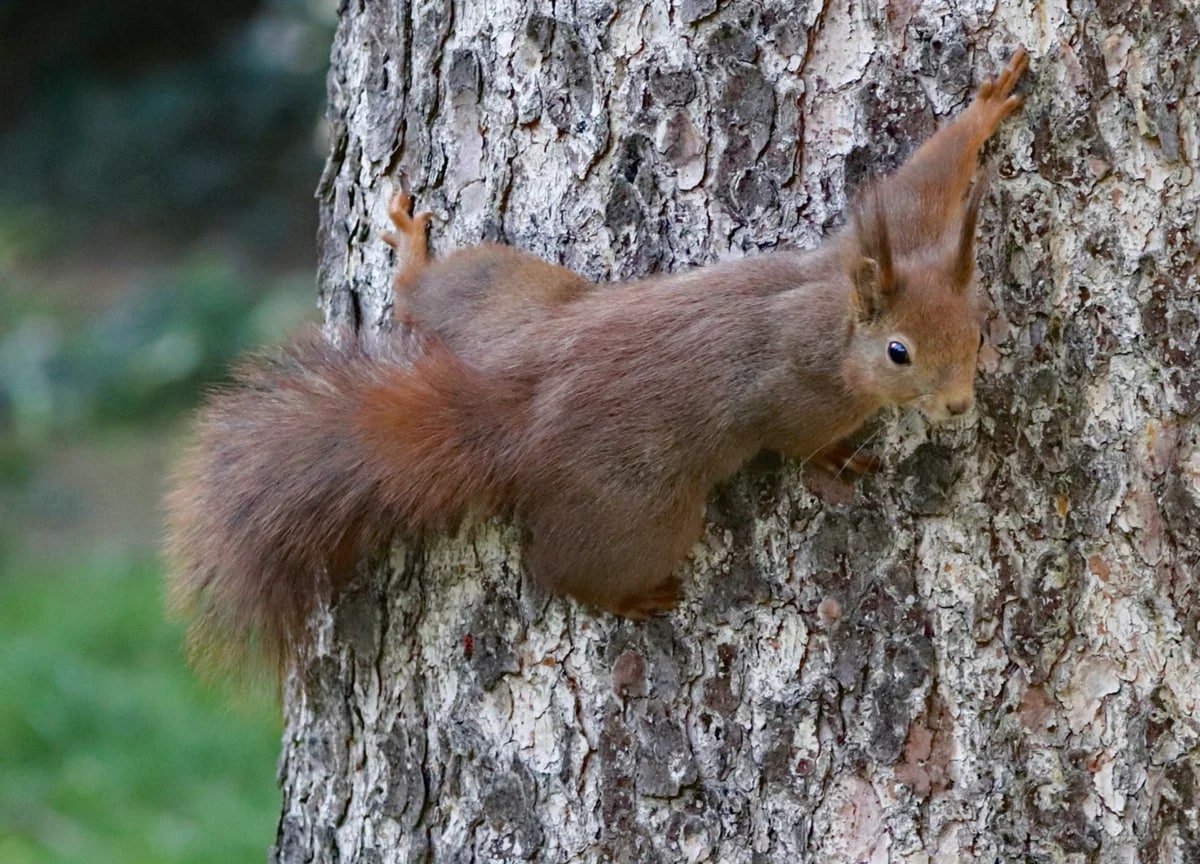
x,y
600,417
307,462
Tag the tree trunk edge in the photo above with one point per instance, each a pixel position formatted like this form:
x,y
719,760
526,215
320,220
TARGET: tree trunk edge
x,y
989,655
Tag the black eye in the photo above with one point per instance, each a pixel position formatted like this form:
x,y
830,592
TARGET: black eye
x,y
898,354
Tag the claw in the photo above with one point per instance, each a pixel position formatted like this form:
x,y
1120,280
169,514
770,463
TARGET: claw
x,y
400,206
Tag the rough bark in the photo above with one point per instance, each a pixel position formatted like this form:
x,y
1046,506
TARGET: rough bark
x,y
990,653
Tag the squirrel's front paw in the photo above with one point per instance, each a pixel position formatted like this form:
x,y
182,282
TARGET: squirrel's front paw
x,y
841,458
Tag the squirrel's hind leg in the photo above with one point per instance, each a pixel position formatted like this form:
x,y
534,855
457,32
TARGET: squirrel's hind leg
x,y
620,562
412,251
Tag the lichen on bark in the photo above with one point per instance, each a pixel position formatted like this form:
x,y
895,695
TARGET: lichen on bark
x,y
990,653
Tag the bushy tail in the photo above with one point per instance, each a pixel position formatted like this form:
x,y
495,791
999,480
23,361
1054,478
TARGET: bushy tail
x,y
310,460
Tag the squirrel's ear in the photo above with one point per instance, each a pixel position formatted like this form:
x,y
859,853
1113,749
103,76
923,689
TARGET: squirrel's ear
x,y
964,255
871,270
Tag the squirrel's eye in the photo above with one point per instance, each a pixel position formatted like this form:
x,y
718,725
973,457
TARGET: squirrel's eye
x,y
898,354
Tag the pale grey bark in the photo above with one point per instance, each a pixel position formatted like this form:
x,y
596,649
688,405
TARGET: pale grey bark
x,y
990,653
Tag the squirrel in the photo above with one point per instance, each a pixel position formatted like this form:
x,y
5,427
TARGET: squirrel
x,y
598,416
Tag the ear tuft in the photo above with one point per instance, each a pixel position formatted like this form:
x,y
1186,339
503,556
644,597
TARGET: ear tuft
x,y
963,267
871,269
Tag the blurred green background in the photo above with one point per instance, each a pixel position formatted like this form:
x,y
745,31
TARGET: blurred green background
x,y
157,165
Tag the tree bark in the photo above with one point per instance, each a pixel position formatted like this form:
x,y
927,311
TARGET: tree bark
x,y
990,653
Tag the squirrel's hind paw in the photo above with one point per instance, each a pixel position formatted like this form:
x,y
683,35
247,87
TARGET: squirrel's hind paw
x,y
410,227
995,99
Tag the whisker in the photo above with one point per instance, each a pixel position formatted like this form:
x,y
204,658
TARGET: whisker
x,y
834,440
858,450
817,452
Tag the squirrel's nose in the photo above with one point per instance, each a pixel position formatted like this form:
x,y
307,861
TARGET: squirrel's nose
x,y
960,406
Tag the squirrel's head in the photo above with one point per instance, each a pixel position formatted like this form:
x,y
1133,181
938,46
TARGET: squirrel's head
x,y
914,328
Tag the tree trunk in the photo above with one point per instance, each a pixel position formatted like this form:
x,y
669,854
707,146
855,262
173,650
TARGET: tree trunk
x,y
990,653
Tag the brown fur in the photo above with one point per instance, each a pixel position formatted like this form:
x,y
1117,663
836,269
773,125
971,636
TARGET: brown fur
x,y
600,417
307,462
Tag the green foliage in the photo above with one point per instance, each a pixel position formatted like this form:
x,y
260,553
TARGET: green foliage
x,y
222,139
146,357
134,133
112,751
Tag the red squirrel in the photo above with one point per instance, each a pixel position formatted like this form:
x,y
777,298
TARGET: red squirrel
x,y
598,416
